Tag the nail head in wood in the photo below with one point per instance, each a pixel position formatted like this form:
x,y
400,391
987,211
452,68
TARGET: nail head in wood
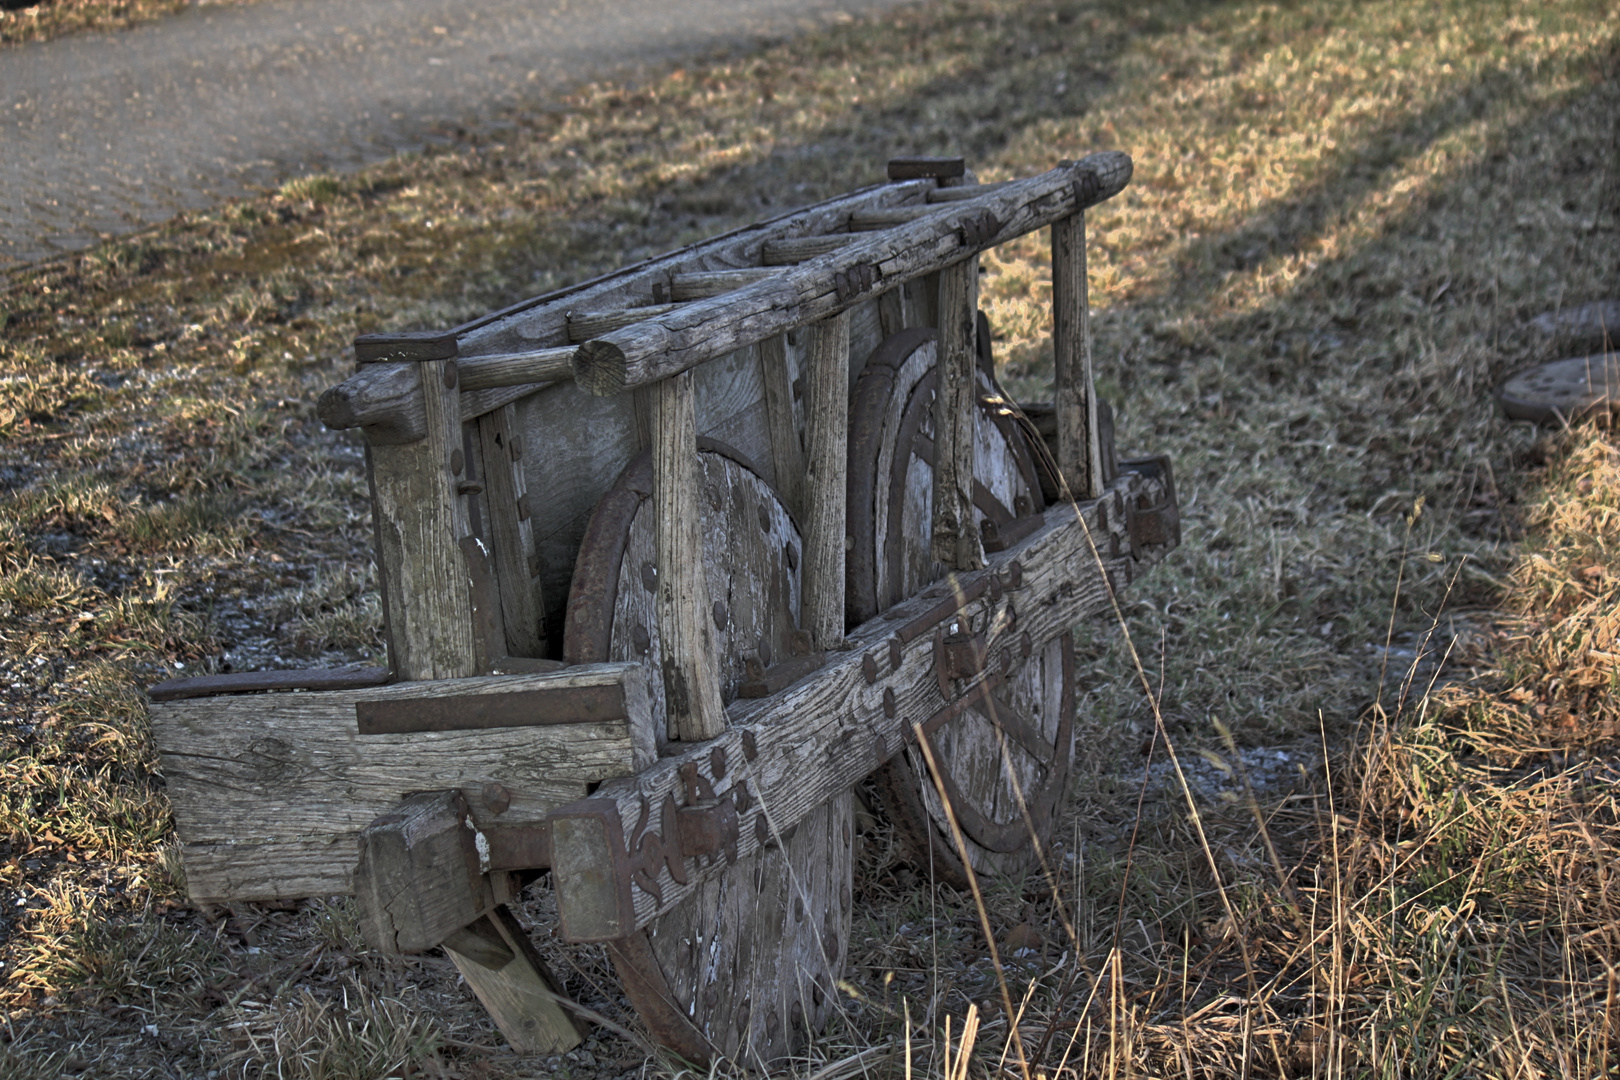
x,y
497,798
720,615
457,462
450,375
717,763
869,669
750,748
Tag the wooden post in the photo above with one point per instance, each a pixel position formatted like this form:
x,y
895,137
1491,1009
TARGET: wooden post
x,y
685,625
826,363
421,516
956,411
786,449
511,532
1074,397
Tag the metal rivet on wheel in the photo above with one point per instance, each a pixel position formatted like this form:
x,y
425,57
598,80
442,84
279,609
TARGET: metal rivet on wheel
x,y
649,577
846,834
762,831
469,487
890,706
750,749
1015,575
640,638
741,798
869,669
720,615
896,649
798,909
449,374
1026,644
457,462
717,763
995,588
764,518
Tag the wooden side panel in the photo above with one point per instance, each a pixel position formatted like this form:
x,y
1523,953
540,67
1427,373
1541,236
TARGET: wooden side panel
x,y
956,415
270,791
730,407
510,530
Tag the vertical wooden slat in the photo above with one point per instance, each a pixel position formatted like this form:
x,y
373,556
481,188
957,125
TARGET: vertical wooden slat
x,y
511,532
956,410
826,364
1074,397
787,451
420,517
922,300
691,664
891,309
522,997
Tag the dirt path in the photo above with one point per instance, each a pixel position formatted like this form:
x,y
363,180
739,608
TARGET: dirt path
x,y
107,132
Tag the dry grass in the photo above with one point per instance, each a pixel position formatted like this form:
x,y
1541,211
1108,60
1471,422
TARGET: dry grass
x,y
1342,219
24,20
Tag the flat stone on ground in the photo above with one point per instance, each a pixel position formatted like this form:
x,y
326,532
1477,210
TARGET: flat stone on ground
x,y
1594,326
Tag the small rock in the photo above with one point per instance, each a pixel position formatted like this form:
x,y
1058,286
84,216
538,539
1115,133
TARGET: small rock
x,y
1564,390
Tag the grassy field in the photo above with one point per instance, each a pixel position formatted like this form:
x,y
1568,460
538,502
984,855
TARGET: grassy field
x,y
1385,656
53,18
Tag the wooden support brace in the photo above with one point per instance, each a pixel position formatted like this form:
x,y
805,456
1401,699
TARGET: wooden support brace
x,y
1074,397
522,996
685,627
826,361
421,517
511,532
955,536
787,449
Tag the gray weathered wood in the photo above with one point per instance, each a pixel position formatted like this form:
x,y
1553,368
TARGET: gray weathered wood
x,y
787,450
1074,398
511,532
955,531
386,399
963,193
662,346
691,663
418,878
420,517
270,791
701,285
824,734
826,361
584,325
513,369
877,220
792,250
523,997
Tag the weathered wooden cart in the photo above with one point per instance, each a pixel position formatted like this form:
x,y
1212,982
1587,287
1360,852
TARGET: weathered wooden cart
x,y
670,561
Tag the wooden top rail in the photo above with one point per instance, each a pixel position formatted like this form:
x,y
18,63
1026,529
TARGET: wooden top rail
x,y
668,344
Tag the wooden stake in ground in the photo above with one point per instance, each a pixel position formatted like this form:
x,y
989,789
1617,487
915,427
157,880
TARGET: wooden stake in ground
x,y
956,416
826,361
1075,398
685,629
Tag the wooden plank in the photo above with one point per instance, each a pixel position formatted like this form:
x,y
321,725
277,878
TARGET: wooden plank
x,y
701,285
787,451
511,532
659,347
955,528
826,357
420,516
584,325
691,665
819,737
878,220
963,193
270,791
524,998
1075,399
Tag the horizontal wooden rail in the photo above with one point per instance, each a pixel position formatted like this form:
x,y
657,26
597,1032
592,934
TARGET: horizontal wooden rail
x,y
782,756
668,344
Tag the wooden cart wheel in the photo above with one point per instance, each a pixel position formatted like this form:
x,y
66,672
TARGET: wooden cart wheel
x,y
746,967
1006,764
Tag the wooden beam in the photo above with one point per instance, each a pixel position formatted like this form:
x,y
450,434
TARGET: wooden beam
x,y
826,362
787,449
583,326
701,285
227,759
420,515
955,525
691,664
1075,397
792,250
815,739
659,347
418,879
